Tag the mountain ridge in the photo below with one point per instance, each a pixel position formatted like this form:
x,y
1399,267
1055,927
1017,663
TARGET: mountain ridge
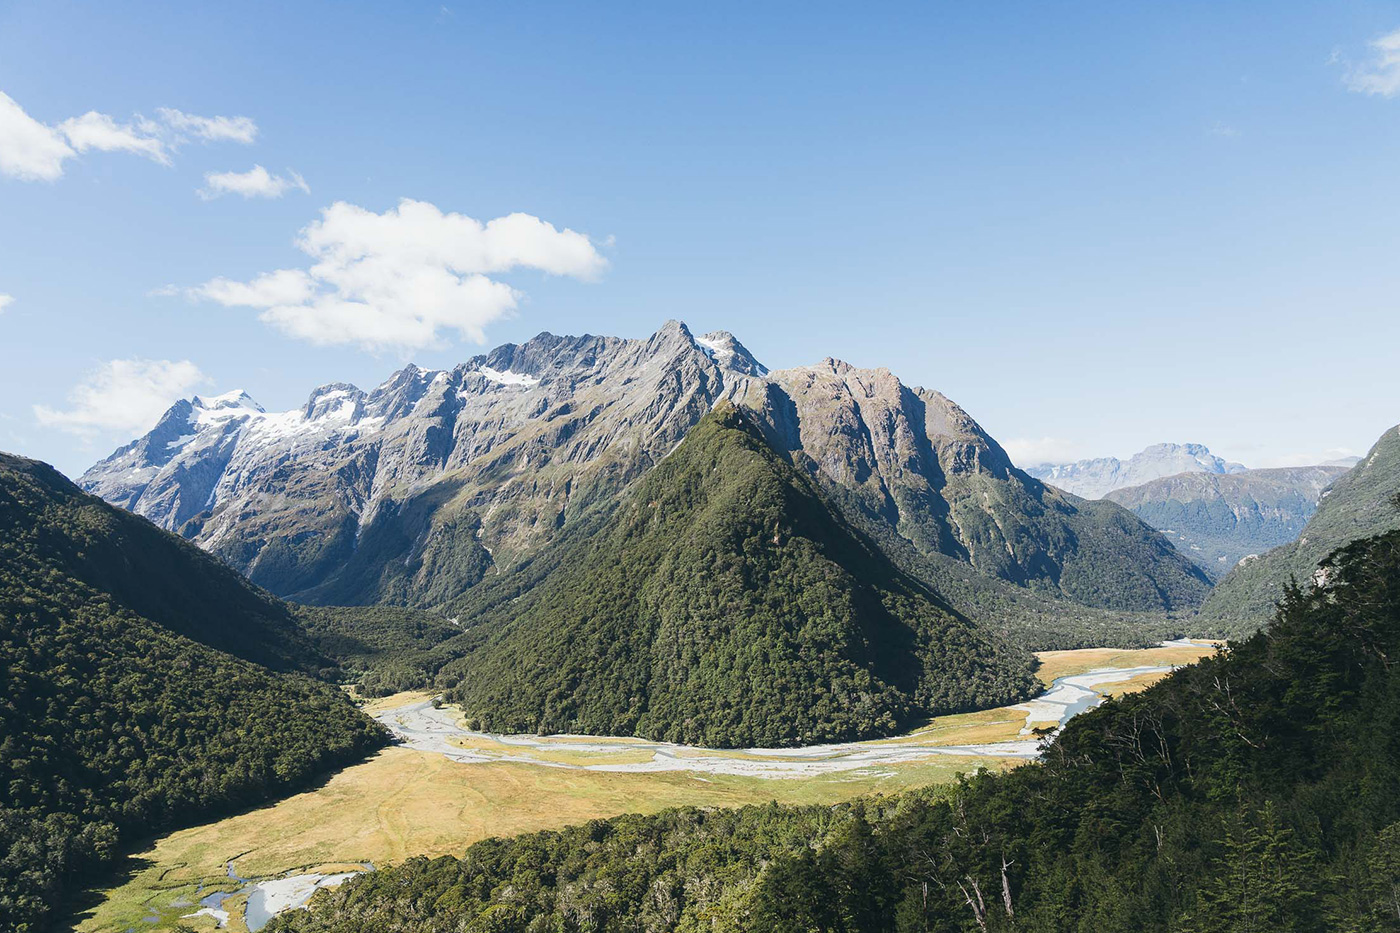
x,y
1218,519
411,493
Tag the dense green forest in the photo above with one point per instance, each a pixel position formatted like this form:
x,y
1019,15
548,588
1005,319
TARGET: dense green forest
x,y
131,697
1258,790
155,575
1354,507
383,649
723,602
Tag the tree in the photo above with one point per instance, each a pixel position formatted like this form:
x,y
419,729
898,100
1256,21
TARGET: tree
x,y
1261,883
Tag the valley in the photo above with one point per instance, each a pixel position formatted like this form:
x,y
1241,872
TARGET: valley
x,y
446,787
396,538
860,607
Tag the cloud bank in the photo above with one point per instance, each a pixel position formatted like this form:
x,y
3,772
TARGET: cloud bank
x,y
35,151
123,395
403,278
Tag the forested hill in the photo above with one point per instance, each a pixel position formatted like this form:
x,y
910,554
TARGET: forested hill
x,y
119,715
151,572
1255,791
723,603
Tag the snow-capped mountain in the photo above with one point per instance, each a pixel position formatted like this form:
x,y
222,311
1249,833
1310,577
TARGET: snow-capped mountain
x,y
413,491
1094,478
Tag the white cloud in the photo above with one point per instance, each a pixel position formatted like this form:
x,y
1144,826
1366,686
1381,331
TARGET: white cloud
x,y
29,150
1032,451
5,302
123,396
269,290
400,278
1221,128
210,129
1380,75
257,182
98,131
34,151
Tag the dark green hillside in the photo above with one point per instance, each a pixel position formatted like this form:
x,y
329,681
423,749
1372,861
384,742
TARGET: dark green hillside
x,y
723,603
149,572
1355,506
1256,791
384,649
115,723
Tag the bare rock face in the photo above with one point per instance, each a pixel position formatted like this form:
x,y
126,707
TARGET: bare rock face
x,y
916,461
410,493
416,488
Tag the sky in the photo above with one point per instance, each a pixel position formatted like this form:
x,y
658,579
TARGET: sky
x,y
1096,226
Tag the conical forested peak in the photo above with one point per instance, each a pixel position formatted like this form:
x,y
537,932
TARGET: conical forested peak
x,y
725,602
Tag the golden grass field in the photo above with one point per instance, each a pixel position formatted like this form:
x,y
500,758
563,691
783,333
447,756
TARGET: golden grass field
x,y
1055,664
402,802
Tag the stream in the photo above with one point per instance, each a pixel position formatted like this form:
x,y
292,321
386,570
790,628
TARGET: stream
x,y
427,728
267,899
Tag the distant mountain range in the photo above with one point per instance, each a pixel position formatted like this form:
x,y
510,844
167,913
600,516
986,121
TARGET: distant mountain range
x,y
1093,479
412,493
1360,503
1218,519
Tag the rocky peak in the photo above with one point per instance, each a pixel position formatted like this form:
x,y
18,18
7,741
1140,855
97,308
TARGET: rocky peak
x,y
722,347
339,400
234,401
397,396
832,365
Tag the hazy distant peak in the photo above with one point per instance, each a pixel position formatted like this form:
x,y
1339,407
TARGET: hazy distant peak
x,y
1094,478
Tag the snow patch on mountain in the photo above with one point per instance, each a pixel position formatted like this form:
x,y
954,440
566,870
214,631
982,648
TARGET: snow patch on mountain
x,y
507,378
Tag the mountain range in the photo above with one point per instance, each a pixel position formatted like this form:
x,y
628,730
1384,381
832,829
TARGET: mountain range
x,y
412,493
1219,519
1095,478
1362,502
663,538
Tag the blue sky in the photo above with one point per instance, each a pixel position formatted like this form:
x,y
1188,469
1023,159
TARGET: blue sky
x,y
1095,226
